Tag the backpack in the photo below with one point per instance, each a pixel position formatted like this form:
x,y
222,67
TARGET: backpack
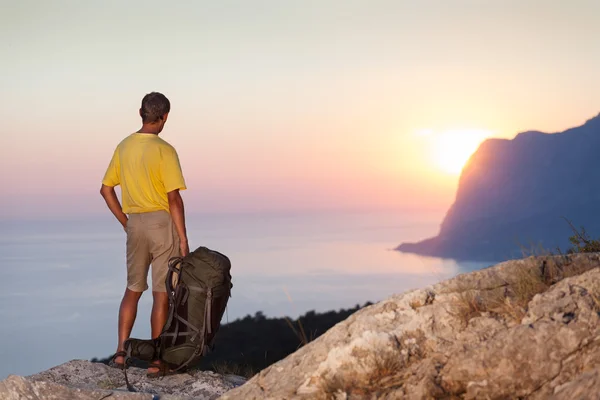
x,y
199,286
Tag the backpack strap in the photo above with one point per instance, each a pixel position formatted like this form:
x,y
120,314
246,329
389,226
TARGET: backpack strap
x,y
207,312
126,362
201,347
173,262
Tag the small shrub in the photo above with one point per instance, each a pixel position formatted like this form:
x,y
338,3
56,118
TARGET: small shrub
x,y
581,242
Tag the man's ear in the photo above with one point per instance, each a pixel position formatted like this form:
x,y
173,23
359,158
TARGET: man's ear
x,y
141,113
164,117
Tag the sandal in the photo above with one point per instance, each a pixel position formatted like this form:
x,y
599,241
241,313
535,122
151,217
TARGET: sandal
x,y
114,364
163,370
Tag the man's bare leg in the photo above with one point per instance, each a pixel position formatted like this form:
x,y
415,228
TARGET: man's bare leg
x,y
127,315
158,318
160,312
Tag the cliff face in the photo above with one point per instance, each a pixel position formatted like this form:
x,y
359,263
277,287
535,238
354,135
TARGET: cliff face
x,y
513,195
482,335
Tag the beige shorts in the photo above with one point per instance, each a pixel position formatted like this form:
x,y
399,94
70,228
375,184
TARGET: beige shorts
x,y
151,240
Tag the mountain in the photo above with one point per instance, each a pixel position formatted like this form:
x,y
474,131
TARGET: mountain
x,y
514,196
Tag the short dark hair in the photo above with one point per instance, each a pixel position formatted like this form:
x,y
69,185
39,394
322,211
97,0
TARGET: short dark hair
x,y
154,106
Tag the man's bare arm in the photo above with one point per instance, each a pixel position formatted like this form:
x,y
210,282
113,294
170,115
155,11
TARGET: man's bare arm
x,y
178,215
112,201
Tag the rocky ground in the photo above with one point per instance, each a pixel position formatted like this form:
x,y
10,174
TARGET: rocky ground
x,y
83,380
524,329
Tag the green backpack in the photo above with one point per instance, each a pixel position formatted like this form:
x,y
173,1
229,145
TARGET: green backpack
x,y
199,286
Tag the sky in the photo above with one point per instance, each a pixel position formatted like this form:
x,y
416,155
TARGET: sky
x,y
284,105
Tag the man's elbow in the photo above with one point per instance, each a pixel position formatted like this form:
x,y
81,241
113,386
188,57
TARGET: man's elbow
x,y
105,190
175,199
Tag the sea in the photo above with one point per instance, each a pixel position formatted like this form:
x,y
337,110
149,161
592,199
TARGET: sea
x,y
61,281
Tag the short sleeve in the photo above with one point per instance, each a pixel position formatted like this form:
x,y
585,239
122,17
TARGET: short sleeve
x,y
170,170
112,177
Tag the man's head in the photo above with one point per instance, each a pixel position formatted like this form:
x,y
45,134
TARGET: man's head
x,y
155,109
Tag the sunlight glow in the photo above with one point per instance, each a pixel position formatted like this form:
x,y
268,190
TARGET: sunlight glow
x,y
451,149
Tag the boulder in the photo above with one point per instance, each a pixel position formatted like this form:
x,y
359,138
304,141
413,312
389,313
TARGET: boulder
x,y
525,329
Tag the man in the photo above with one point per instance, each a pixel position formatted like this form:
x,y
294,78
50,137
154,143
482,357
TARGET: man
x,y
148,170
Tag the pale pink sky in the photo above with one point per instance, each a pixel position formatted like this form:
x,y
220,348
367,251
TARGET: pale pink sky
x,y
283,106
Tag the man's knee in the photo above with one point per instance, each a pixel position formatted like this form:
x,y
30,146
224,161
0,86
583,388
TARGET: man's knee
x,y
132,294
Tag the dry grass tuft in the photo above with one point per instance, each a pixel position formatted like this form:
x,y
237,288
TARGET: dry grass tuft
x,y
595,295
596,299
384,369
468,305
415,303
510,301
521,289
534,250
418,303
225,368
303,338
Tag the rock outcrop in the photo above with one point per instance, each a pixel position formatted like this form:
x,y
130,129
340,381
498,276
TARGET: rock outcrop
x,y
83,380
527,329
513,195
523,329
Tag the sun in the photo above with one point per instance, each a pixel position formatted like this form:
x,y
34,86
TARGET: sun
x,y
452,149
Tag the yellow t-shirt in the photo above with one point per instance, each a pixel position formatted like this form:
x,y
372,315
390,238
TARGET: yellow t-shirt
x,y
147,168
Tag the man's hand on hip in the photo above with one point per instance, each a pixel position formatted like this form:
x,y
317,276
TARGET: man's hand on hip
x,y
112,201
